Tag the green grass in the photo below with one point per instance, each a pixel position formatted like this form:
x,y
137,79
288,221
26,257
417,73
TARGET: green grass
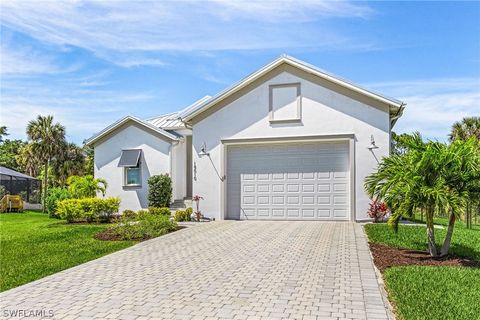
x,y
434,292
426,292
33,246
465,242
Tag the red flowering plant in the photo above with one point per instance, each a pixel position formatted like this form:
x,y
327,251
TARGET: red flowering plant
x,y
377,210
197,199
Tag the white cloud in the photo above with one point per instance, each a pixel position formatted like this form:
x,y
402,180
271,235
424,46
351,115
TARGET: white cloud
x,y
115,29
434,105
83,111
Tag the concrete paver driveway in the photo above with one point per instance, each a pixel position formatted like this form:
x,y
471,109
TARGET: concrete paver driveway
x,y
230,269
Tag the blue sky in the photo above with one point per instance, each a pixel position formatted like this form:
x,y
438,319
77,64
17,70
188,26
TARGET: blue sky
x,y
91,63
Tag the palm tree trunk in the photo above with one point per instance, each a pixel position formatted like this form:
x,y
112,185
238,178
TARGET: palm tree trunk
x,y
432,247
45,183
448,237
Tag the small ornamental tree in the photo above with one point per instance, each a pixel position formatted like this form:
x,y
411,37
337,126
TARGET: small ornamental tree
x,y
377,210
159,191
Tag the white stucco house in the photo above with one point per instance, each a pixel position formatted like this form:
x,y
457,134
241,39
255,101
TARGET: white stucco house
x,y
288,142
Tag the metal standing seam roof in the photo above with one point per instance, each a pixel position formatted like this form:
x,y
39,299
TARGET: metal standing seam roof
x,y
9,172
173,120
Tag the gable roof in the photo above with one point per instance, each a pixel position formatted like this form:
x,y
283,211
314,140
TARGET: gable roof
x,y
111,128
395,105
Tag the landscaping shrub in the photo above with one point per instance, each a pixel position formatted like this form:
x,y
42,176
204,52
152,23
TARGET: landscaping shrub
x,y
147,226
182,215
189,211
159,211
159,191
377,210
129,214
53,196
87,209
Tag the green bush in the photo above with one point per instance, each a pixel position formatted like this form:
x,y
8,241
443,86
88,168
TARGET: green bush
x,y
53,196
189,210
159,211
182,215
129,214
159,191
87,209
147,226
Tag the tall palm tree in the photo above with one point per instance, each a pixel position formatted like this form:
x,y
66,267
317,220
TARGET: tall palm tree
x,y
431,175
47,140
69,161
463,130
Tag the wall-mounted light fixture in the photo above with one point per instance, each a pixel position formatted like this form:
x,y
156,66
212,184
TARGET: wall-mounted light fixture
x,y
372,145
203,151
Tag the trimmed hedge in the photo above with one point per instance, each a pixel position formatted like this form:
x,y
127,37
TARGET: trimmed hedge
x,y
159,191
87,209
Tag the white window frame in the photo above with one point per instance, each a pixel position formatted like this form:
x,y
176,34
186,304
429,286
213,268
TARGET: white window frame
x,y
271,87
125,175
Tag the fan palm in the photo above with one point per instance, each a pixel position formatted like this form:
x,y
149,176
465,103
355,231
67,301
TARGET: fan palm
x,y
47,140
463,130
432,175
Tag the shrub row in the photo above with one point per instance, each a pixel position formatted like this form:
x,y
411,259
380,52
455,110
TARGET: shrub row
x,y
183,215
132,215
87,209
143,225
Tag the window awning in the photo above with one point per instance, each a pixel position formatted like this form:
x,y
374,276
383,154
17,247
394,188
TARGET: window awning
x,y
130,158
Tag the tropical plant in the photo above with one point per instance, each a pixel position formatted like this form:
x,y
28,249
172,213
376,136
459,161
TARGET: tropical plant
x,y
463,130
159,191
160,211
3,132
69,161
431,175
86,186
8,151
182,215
87,209
377,210
54,195
145,226
47,140
197,199
399,142
27,160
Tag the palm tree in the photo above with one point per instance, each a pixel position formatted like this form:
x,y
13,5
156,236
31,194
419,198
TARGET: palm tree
x,y
3,132
47,140
463,130
431,175
69,161
87,186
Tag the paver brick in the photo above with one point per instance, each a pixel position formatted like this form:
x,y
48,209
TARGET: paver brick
x,y
220,270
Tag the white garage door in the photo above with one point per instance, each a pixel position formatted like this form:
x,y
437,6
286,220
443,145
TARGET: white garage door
x,y
288,181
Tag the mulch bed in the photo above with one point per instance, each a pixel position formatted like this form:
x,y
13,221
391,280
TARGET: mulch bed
x,y
385,257
107,235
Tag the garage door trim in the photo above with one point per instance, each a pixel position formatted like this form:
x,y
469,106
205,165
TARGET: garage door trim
x,y
349,138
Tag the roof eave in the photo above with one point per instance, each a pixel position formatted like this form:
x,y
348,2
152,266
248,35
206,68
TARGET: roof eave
x,y
118,123
294,62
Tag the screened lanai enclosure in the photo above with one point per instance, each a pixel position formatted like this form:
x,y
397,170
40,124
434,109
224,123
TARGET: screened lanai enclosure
x,y
16,183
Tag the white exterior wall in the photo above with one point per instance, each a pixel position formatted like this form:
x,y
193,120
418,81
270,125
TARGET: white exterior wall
x,y
324,112
155,160
179,160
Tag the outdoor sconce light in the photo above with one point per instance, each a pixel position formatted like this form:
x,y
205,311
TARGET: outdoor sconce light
x,y
203,151
372,145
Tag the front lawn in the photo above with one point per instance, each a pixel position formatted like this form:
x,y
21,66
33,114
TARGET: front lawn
x,y
33,246
465,242
428,292
434,292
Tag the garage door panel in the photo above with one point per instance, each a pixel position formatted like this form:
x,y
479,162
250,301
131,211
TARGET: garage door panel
x,y
288,181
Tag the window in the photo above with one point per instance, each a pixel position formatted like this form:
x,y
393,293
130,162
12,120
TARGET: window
x,y
132,176
130,161
285,102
